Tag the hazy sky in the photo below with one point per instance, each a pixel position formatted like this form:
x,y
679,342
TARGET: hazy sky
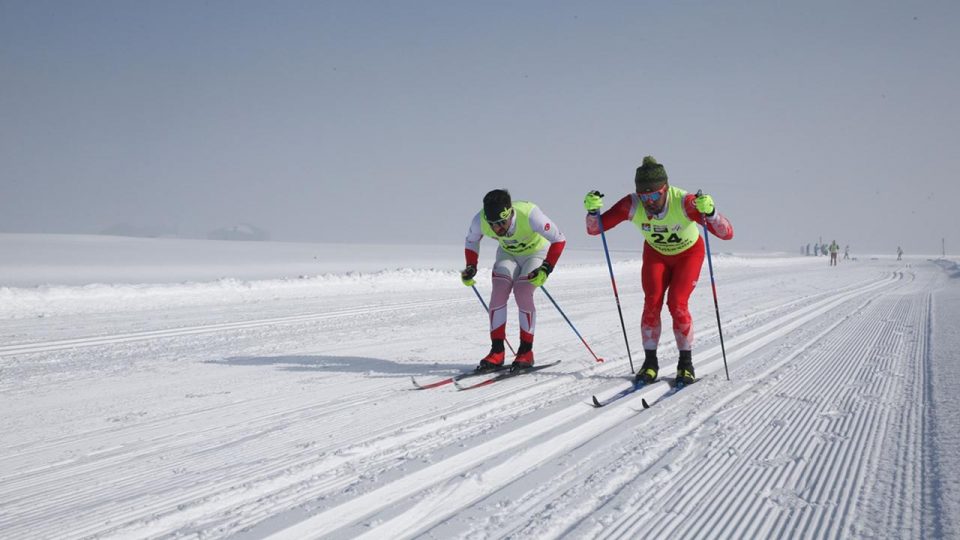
x,y
388,121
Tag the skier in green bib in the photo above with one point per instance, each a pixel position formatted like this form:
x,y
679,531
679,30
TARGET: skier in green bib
x,y
529,246
834,251
673,253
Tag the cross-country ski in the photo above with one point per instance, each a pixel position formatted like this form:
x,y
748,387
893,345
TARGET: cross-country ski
x,y
502,375
458,377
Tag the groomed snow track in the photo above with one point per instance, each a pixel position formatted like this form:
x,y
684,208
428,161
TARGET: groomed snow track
x,y
820,432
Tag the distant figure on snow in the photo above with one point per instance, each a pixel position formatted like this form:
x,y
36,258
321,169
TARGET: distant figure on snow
x,y
673,253
816,250
846,252
834,250
899,253
530,245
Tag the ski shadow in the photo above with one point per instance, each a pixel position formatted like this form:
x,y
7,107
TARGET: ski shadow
x,y
599,377
342,364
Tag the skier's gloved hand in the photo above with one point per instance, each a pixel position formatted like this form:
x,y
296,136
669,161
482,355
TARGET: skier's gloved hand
x,y
593,202
539,276
467,274
704,204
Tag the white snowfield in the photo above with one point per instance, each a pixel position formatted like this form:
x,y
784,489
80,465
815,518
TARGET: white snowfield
x,y
281,406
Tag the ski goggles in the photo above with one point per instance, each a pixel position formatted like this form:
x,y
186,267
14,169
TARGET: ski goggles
x,y
653,196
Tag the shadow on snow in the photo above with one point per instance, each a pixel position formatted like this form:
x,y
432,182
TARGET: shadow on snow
x,y
343,364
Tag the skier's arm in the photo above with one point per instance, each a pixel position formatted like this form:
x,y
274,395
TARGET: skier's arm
x,y
471,247
622,211
546,228
717,223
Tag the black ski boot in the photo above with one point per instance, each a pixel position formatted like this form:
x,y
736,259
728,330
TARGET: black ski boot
x,y
648,371
685,374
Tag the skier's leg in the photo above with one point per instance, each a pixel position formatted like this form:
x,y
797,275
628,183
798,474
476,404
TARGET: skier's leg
x,y
526,308
653,275
503,271
686,272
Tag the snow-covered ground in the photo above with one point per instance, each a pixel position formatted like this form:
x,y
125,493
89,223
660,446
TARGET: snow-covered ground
x,y
171,388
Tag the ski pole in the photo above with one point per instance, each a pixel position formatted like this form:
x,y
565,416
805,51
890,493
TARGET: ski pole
x,y
713,285
597,358
613,281
485,308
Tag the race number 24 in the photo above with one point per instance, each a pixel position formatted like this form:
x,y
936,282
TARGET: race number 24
x,y
658,238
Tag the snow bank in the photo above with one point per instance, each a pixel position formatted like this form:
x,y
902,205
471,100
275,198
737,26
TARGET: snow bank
x,y
101,298
46,275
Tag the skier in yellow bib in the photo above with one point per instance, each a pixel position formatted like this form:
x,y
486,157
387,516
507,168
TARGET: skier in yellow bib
x,y
673,254
529,246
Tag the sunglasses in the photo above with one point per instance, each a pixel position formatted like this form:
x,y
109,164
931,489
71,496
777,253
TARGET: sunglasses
x,y
653,196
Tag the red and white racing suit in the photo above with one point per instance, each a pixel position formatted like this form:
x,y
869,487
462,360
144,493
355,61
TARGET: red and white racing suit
x,y
510,273
674,275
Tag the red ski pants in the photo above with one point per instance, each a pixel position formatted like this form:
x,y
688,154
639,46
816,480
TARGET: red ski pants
x,y
675,277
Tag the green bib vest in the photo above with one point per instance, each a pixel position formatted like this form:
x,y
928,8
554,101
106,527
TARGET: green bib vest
x,y
524,240
673,234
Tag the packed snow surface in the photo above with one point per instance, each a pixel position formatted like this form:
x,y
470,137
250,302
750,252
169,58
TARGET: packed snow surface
x,y
170,388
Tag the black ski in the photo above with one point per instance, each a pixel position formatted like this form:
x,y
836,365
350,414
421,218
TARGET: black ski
x,y
675,387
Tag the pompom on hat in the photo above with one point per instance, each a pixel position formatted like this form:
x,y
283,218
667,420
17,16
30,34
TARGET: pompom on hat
x,y
651,175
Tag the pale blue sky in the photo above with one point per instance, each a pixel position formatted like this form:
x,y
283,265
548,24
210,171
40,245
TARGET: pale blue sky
x,y
388,121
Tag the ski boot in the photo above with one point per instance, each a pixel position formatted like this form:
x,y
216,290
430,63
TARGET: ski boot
x,y
522,361
685,374
648,371
524,358
491,362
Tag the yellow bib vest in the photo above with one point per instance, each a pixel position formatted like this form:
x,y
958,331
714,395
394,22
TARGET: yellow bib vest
x,y
673,234
524,240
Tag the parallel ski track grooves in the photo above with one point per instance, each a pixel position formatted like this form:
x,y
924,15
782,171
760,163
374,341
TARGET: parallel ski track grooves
x,y
49,346
369,503
904,513
618,470
741,493
827,498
